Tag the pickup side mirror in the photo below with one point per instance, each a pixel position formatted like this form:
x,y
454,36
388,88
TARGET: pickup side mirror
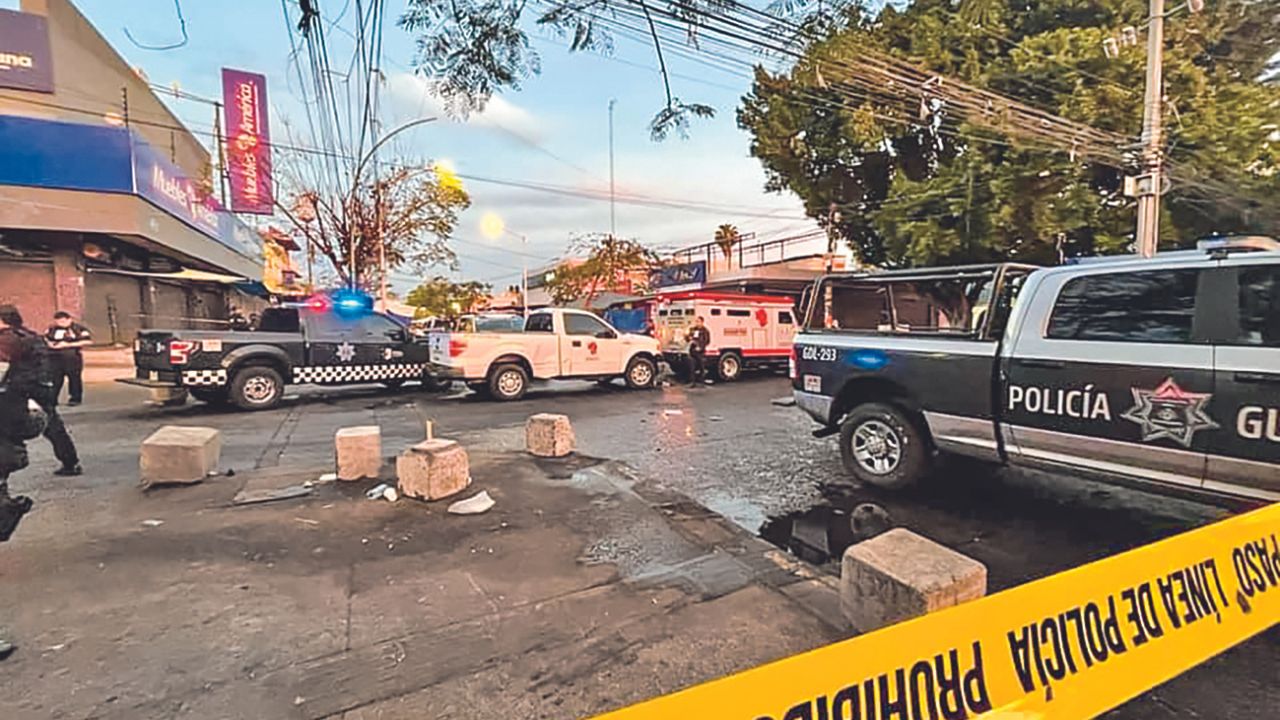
x,y
606,335
397,334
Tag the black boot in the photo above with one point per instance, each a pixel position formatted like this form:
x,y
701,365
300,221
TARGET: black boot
x,y
11,512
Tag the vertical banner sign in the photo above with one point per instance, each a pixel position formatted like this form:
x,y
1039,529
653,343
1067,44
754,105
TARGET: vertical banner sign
x,y
244,96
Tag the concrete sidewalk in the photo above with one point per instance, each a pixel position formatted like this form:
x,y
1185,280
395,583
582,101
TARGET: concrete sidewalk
x,y
583,590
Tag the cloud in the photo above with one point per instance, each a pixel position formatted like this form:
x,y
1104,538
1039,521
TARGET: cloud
x,y
414,96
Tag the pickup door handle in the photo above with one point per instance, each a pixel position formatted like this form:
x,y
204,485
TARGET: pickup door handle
x,y
1045,364
1253,377
577,343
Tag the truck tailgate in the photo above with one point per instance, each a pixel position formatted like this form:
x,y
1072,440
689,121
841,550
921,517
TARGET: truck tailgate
x,y
151,350
438,344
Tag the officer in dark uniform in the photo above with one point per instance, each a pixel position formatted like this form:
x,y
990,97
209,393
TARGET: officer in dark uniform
x,y
38,386
21,360
65,337
699,339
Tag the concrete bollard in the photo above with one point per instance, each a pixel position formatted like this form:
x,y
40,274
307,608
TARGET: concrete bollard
x,y
549,435
433,469
179,455
359,451
899,575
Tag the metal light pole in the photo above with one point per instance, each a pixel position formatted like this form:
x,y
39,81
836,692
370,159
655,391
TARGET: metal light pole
x,y
493,227
524,273
613,227
355,180
1148,234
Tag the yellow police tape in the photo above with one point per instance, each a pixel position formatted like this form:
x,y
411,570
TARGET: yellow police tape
x,y
1071,645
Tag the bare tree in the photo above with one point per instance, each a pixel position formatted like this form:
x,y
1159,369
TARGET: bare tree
x,y
404,217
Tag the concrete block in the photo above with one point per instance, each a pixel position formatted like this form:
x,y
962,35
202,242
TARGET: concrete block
x,y
359,452
549,435
899,575
433,469
180,455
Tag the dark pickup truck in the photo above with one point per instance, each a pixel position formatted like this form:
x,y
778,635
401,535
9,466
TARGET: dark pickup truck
x,y
1160,372
250,368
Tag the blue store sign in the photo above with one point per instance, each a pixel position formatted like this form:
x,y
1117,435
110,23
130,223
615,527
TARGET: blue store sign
x,y
77,156
694,273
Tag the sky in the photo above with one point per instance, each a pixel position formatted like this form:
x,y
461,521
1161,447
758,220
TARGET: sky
x,y
553,130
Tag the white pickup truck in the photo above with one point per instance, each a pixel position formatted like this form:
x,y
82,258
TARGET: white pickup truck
x,y
555,343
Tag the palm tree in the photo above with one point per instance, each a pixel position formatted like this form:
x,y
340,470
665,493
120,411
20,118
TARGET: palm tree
x,y
726,237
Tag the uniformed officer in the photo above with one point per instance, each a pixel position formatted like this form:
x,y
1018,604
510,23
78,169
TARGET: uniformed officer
x,y
19,367
66,336
699,339
37,385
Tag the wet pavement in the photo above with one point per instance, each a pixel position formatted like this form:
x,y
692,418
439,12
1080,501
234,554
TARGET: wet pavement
x,y
728,449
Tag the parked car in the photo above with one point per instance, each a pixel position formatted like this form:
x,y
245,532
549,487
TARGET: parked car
x,y
554,343
747,331
315,344
1162,372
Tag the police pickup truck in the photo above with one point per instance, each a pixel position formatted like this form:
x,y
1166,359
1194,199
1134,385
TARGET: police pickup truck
x,y
320,342
1159,372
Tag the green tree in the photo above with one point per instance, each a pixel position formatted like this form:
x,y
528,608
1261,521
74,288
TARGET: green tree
x,y
611,263
916,186
441,297
474,48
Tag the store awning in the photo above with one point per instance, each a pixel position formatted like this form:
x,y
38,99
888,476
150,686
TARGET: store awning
x,y
184,274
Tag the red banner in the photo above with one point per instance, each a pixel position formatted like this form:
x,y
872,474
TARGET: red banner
x,y
244,96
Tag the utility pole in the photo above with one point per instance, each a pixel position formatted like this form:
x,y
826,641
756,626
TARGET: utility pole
x,y
1148,234
613,227
833,216
524,275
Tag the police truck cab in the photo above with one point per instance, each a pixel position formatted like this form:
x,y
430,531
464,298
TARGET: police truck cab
x,y
1161,372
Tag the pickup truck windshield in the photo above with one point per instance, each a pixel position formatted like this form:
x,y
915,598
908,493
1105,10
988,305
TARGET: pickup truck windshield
x,y
947,304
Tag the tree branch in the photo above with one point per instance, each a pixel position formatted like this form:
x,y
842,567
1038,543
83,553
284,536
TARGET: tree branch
x,y
657,46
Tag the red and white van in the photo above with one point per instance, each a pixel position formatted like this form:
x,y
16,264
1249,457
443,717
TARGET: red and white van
x,y
746,330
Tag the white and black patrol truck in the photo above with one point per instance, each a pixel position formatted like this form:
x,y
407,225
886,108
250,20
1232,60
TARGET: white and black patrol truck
x,y
325,341
1160,372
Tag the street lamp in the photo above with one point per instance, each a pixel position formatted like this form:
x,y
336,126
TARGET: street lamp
x,y
371,154
493,227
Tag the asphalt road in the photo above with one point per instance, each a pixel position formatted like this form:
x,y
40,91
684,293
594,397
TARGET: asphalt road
x,y
728,448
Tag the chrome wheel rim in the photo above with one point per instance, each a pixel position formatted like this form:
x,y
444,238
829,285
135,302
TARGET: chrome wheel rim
x,y
877,447
641,373
510,382
259,389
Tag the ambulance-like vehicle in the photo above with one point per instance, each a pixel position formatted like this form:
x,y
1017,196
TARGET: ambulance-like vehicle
x,y
747,331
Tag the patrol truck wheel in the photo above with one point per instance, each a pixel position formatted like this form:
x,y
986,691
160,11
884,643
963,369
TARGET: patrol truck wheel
x,y
508,382
881,447
729,367
641,373
257,388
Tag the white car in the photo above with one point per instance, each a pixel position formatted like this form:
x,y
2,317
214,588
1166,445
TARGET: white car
x,y
555,343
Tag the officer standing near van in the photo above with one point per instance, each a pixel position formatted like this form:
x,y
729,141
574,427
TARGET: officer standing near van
x,y
699,339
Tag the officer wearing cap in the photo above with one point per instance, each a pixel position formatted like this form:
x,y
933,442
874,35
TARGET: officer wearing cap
x,y
19,373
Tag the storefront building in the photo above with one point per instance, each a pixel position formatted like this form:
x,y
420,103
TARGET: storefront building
x,y
106,206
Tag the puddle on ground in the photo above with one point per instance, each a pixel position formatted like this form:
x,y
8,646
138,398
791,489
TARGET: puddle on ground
x,y
818,535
